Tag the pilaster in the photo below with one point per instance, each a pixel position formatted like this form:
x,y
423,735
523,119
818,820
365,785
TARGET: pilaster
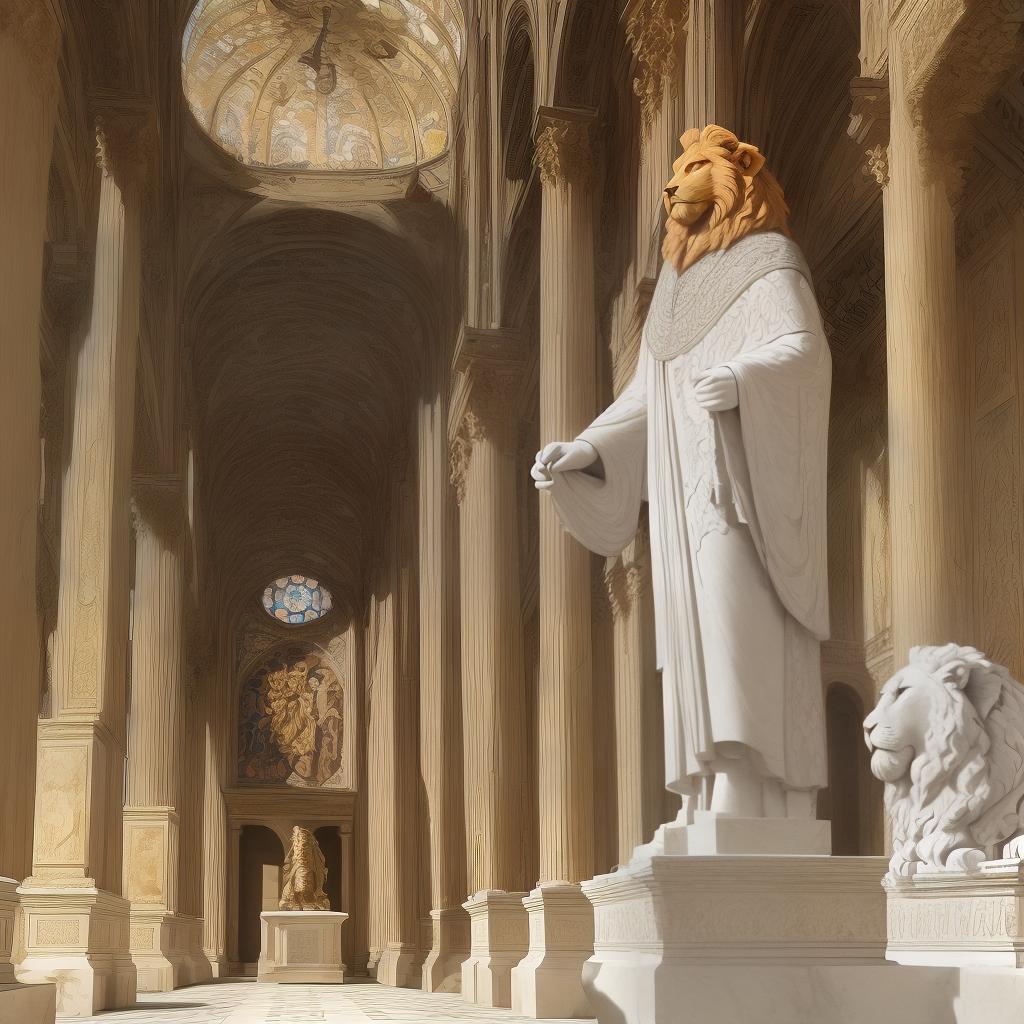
x,y
714,49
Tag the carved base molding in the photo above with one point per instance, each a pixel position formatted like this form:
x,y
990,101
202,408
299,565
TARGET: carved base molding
x,y
78,939
951,918
301,947
8,924
548,983
692,931
449,948
399,966
500,937
167,950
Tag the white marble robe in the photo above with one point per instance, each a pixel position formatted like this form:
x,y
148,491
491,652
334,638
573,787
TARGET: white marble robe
x,y
737,516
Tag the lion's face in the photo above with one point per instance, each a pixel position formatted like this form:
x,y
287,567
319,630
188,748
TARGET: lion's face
x,y
896,731
719,192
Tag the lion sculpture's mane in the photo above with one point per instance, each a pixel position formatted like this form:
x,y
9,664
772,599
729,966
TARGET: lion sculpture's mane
x,y
305,872
743,203
959,798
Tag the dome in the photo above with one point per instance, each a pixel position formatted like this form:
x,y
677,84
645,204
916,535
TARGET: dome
x,y
297,599
324,85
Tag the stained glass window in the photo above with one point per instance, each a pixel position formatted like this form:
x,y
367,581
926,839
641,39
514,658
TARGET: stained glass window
x,y
297,599
339,85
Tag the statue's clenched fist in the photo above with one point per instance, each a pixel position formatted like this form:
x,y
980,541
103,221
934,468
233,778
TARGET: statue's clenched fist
x,y
560,457
717,391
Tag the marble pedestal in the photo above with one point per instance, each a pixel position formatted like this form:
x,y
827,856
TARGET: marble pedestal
x,y
728,939
77,938
301,946
499,939
950,918
548,982
449,949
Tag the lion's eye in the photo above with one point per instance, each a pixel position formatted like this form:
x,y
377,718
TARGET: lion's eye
x,y
691,167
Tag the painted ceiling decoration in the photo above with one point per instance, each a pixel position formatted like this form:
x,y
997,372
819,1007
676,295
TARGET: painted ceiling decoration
x,y
325,85
297,599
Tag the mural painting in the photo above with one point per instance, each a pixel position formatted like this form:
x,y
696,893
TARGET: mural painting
x,y
291,722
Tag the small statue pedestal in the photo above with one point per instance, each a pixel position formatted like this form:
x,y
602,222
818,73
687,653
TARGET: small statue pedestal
x,y
301,946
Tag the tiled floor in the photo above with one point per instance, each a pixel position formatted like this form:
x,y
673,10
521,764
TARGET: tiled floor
x,y
245,1002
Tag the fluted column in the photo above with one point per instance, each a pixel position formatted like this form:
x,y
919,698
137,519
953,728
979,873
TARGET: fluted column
x,y
925,366
714,49
484,471
79,799
568,402
440,710
28,77
152,813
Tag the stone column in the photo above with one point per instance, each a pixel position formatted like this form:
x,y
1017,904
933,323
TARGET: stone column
x,y
347,872
28,75
77,922
234,878
714,48
152,813
484,471
440,712
925,366
547,983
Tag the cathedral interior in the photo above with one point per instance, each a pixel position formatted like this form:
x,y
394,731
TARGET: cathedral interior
x,y
291,294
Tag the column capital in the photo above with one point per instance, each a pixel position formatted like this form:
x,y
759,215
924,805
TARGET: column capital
x,y
653,30
490,364
126,135
158,506
31,25
869,124
562,138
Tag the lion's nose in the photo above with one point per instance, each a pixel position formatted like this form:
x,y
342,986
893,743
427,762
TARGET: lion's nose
x,y
670,190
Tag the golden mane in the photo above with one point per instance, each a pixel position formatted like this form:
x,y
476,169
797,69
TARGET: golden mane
x,y
744,196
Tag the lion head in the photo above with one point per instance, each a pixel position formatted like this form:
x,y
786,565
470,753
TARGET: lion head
x,y
720,192
305,872
942,738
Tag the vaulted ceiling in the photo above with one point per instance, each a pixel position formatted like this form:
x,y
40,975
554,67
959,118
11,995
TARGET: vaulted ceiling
x,y
308,331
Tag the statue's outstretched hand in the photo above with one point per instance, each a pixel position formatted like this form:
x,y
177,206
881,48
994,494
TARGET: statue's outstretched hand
x,y
561,457
717,390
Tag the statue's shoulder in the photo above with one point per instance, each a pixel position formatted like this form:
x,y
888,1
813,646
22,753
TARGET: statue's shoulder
x,y
686,306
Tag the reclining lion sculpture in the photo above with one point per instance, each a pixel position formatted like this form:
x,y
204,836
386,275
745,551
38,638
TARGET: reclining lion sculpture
x,y
947,739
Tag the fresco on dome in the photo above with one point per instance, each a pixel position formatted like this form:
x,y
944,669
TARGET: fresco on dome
x,y
341,85
291,723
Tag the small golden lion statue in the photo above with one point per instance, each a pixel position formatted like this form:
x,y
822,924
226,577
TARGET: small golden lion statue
x,y
720,192
305,872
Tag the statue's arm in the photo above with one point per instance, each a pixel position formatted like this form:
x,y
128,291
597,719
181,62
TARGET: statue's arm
x,y
599,502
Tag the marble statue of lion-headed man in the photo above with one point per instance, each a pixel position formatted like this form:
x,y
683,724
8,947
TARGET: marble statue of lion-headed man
x,y
947,739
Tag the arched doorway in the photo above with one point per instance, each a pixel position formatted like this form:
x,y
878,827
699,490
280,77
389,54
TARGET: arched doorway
x,y
261,858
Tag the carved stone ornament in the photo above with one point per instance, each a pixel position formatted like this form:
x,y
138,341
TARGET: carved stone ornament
x,y
653,30
945,738
29,23
158,504
562,151
869,124
126,140
305,872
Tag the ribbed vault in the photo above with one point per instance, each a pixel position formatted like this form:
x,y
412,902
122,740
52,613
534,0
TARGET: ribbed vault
x,y
307,333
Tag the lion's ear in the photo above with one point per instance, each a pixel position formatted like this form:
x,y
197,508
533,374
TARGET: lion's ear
x,y
748,159
689,137
982,690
